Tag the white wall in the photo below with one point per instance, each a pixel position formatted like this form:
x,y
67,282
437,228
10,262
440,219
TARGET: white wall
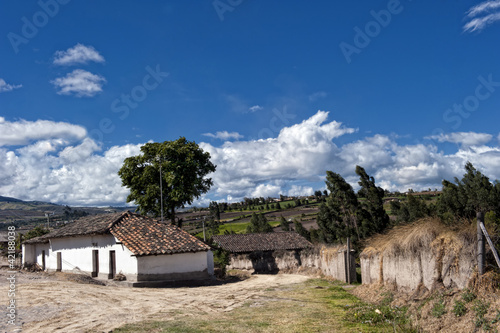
x,y
76,253
32,253
186,266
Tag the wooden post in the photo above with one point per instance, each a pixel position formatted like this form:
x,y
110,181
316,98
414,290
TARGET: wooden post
x,y
492,246
480,244
348,261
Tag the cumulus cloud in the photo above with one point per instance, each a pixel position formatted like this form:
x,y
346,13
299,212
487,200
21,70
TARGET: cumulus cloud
x,y
58,162
265,190
80,83
79,54
481,16
300,151
297,190
224,135
5,87
23,132
464,138
78,174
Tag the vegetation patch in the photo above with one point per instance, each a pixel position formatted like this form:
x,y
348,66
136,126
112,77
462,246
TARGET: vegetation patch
x,y
316,305
439,308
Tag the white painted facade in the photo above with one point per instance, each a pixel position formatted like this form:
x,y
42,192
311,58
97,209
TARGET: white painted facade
x,y
77,253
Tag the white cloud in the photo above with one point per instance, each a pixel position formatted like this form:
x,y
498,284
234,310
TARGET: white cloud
x,y
58,162
300,151
485,8
79,54
80,83
4,86
317,95
76,175
23,132
464,138
266,190
297,190
224,135
255,108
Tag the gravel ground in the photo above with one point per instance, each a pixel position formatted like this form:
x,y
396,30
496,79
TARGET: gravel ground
x,y
62,302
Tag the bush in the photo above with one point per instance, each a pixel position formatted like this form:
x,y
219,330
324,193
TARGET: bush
x,y
221,260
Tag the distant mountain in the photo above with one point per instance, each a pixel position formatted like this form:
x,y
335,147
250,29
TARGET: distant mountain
x,y
9,199
12,209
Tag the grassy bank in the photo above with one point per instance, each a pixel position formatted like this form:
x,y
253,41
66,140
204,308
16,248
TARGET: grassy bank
x,y
314,306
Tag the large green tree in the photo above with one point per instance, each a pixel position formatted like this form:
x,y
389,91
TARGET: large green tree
x,y
374,218
337,217
184,167
343,215
469,195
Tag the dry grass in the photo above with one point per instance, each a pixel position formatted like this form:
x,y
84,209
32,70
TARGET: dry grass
x,y
313,306
424,233
421,307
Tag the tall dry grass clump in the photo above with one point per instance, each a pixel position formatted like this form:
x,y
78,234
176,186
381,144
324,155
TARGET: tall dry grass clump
x,y
422,234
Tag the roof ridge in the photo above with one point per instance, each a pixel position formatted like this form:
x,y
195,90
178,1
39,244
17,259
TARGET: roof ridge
x,y
119,219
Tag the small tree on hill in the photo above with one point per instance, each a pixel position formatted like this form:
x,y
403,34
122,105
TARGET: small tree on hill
x,y
259,224
284,224
299,228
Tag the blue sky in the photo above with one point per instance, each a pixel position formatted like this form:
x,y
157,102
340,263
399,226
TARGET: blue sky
x,y
277,93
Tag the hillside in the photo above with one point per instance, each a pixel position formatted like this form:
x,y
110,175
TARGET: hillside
x,y
30,213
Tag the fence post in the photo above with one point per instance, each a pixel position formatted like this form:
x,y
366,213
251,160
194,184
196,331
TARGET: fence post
x,y
348,261
480,244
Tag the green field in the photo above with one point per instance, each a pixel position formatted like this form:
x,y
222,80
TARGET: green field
x,y
238,228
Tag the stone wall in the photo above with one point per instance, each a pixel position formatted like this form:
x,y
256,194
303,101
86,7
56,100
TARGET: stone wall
x,y
441,257
327,260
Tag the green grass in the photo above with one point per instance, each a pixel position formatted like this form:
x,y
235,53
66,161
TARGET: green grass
x,y
313,306
439,308
459,308
237,227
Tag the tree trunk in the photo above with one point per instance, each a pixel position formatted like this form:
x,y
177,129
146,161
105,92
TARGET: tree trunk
x,y
172,216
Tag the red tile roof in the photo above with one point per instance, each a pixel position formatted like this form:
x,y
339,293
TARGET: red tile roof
x,y
270,241
140,234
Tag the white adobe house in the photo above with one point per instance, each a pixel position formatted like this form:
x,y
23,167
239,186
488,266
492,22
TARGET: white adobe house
x,y
146,251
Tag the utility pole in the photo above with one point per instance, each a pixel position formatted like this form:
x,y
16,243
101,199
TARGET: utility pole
x,y
161,193
480,244
204,239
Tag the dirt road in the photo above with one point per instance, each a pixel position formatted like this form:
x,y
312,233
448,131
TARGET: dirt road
x,y
48,303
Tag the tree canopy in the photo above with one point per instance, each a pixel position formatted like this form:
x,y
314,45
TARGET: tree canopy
x,y
184,167
469,195
259,224
344,215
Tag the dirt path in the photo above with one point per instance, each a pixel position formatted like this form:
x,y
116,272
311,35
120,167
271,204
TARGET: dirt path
x,y
47,304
